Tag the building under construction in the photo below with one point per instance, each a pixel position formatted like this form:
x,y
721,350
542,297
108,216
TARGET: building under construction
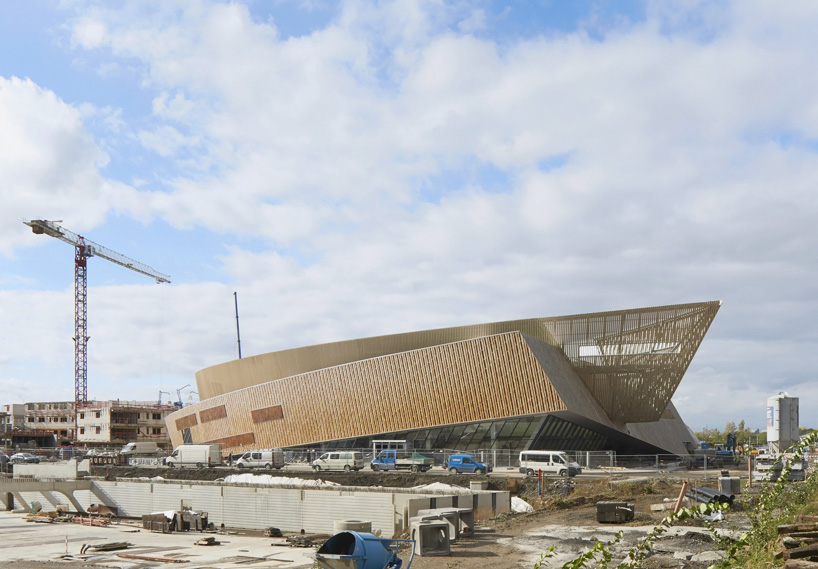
x,y
587,382
101,423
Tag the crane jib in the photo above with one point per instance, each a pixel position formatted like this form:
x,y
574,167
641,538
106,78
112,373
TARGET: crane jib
x,y
83,249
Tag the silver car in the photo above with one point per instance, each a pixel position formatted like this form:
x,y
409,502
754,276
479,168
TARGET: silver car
x,y
24,457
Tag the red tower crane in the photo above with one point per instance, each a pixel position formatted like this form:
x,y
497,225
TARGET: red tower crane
x,y
83,248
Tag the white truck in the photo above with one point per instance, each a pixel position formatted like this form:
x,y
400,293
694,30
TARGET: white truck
x,y
195,455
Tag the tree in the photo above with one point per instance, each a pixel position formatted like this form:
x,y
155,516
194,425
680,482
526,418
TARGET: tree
x,y
743,434
710,436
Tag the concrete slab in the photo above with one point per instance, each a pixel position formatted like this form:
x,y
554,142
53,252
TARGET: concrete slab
x,y
30,541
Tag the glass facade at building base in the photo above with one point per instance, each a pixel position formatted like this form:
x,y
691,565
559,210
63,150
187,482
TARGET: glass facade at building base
x,y
537,432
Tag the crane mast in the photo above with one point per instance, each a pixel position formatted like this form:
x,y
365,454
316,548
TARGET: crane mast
x,y
84,248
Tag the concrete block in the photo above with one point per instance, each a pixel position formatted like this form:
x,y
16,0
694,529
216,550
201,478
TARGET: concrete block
x,y
449,515
156,523
730,485
466,520
614,512
431,537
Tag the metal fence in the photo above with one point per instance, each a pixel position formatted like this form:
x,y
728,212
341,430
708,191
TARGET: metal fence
x,y
504,460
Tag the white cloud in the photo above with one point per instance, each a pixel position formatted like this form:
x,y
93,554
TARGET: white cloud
x,y
50,164
399,169
474,22
90,33
177,107
166,140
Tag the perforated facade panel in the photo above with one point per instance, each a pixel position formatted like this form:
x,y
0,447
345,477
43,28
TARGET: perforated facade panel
x,y
614,368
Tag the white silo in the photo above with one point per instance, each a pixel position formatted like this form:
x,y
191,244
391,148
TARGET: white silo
x,y
782,422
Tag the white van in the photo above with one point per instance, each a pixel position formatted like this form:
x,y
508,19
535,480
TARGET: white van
x,y
262,458
339,460
549,461
195,455
141,448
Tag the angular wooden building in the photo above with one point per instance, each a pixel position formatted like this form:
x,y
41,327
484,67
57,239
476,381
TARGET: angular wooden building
x,y
599,381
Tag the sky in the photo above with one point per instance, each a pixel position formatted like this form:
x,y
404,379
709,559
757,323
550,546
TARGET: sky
x,y
353,169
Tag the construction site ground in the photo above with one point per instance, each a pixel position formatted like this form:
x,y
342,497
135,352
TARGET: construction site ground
x,y
514,540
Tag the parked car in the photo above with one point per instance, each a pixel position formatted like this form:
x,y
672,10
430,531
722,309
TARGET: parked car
x,y
459,463
24,457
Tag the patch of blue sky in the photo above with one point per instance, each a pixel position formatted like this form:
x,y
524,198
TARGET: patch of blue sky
x,y
303,257
477,174
187,255
294,18
130,162
98,78
525,19
702,23
793,139
785,139
508,23
472,174
35,45
48,267
382,73
30,47
554,162
491,178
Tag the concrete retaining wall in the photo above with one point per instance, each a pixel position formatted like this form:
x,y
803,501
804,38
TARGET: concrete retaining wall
x,y
50,470
290,509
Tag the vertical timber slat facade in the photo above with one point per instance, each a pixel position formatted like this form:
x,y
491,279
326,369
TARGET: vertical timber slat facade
x,y
599,372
